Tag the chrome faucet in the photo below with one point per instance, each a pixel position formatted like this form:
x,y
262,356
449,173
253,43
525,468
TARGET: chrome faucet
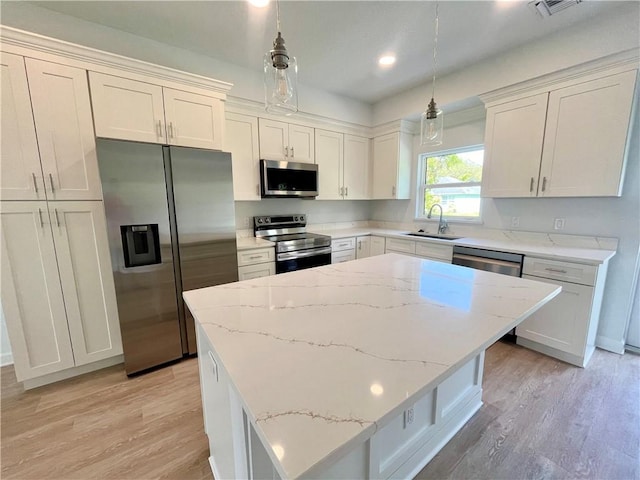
x,y
442,224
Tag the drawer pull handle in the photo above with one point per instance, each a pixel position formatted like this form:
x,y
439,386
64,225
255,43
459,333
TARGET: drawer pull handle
x,y
286,151
555,270
292,154
255,257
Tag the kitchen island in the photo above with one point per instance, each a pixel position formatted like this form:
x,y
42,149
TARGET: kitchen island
x,y
363,369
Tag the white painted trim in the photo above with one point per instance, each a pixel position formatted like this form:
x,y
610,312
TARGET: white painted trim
x,y
610,345
612,64
6,359
256,109
403,126
38,46
72,372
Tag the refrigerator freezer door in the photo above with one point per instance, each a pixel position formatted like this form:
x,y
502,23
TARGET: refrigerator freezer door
x,y
133,182
205,217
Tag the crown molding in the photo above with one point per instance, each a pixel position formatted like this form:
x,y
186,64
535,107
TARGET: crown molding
x,y
402,126
13,40
611,64
256,109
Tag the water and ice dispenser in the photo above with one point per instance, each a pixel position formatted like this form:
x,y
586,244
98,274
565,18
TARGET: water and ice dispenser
x,y
141,245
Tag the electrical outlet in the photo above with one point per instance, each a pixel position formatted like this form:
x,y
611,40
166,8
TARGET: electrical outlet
x,y
558,224
408,417
515,222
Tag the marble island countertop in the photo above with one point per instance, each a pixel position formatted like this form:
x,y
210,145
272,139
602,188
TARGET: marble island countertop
x,y
322,358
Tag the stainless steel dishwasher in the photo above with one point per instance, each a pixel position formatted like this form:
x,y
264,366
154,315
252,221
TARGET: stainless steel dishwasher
x,y
491,261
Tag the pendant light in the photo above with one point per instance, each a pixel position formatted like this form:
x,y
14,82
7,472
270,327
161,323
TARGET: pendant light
x,y
280,76
432,119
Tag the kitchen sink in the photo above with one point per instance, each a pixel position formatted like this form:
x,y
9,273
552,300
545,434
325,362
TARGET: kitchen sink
x,y
432,235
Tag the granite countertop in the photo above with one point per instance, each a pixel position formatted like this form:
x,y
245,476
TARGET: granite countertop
x,y
591,251
305,349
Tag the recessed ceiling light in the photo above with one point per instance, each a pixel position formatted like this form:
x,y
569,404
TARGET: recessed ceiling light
x,y
387,60
259,3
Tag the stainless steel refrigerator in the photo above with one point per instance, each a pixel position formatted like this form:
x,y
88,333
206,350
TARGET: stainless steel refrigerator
x,y
171,225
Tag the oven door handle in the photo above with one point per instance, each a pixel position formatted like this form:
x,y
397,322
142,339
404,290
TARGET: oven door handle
x,y
312,252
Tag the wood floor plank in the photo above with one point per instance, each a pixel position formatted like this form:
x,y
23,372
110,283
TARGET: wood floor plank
x,y
541,418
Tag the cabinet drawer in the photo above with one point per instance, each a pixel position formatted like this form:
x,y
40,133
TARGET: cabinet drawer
x,y
252,257
402,246
343,244
248,272
564,271
343,256
435,251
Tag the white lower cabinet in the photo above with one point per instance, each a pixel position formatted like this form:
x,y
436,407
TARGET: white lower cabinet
x,y
396,245
377,246
363,247
256,263
566,327
343,250
58,294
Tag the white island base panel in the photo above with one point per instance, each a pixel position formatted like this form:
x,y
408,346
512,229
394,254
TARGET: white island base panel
x,y
398,449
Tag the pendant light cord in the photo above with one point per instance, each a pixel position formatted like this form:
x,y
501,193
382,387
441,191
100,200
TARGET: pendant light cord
x,y
435,55
278,16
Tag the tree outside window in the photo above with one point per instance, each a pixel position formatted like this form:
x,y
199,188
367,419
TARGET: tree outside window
x,y
452,179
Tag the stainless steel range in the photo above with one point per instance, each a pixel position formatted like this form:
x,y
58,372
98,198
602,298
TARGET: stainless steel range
x,y
295,248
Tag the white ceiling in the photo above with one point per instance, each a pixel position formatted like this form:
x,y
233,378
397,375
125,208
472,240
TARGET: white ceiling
x,y
337,43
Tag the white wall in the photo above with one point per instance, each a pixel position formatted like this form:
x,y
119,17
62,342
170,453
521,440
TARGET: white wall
x,y
248,84
616,32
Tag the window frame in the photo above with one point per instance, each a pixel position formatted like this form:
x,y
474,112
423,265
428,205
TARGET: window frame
x,y
420,214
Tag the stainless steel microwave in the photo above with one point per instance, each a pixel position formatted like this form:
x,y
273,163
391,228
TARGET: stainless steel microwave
x,y
288,179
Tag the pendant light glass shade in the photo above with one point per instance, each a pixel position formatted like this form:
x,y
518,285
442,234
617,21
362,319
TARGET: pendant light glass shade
x,y
280,77
432,120
432,125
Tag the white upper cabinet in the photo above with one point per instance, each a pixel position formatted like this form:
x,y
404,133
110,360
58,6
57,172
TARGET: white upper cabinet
x,y
20,171
586,136
513,146
357,168
391,166
193,120
127,109
286,142
330,160
569,142
62,113
61,164
132,110
241,139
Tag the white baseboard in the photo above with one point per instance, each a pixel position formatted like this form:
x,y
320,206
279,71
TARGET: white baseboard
x,y
605,343
6,359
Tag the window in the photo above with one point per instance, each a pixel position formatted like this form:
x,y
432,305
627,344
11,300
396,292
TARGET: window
x,y
452,179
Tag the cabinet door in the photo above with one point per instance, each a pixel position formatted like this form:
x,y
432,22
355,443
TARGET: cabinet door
x,y
20,172
329,157
31,294
377,246
513,147
586,136
274,137
241,139
357,168
363,247
386,155
80,236
301,144
193,120
62,113
563,322
127,109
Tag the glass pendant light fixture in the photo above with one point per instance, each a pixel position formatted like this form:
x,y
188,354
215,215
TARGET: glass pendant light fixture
x,y
280,76
432,119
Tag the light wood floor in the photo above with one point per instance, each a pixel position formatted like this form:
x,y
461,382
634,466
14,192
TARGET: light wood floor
x,y
541,419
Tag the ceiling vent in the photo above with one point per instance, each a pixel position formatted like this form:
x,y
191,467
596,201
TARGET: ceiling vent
x,y
546,8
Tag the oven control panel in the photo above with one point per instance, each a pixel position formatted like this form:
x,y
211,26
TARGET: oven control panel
x,y
280,221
